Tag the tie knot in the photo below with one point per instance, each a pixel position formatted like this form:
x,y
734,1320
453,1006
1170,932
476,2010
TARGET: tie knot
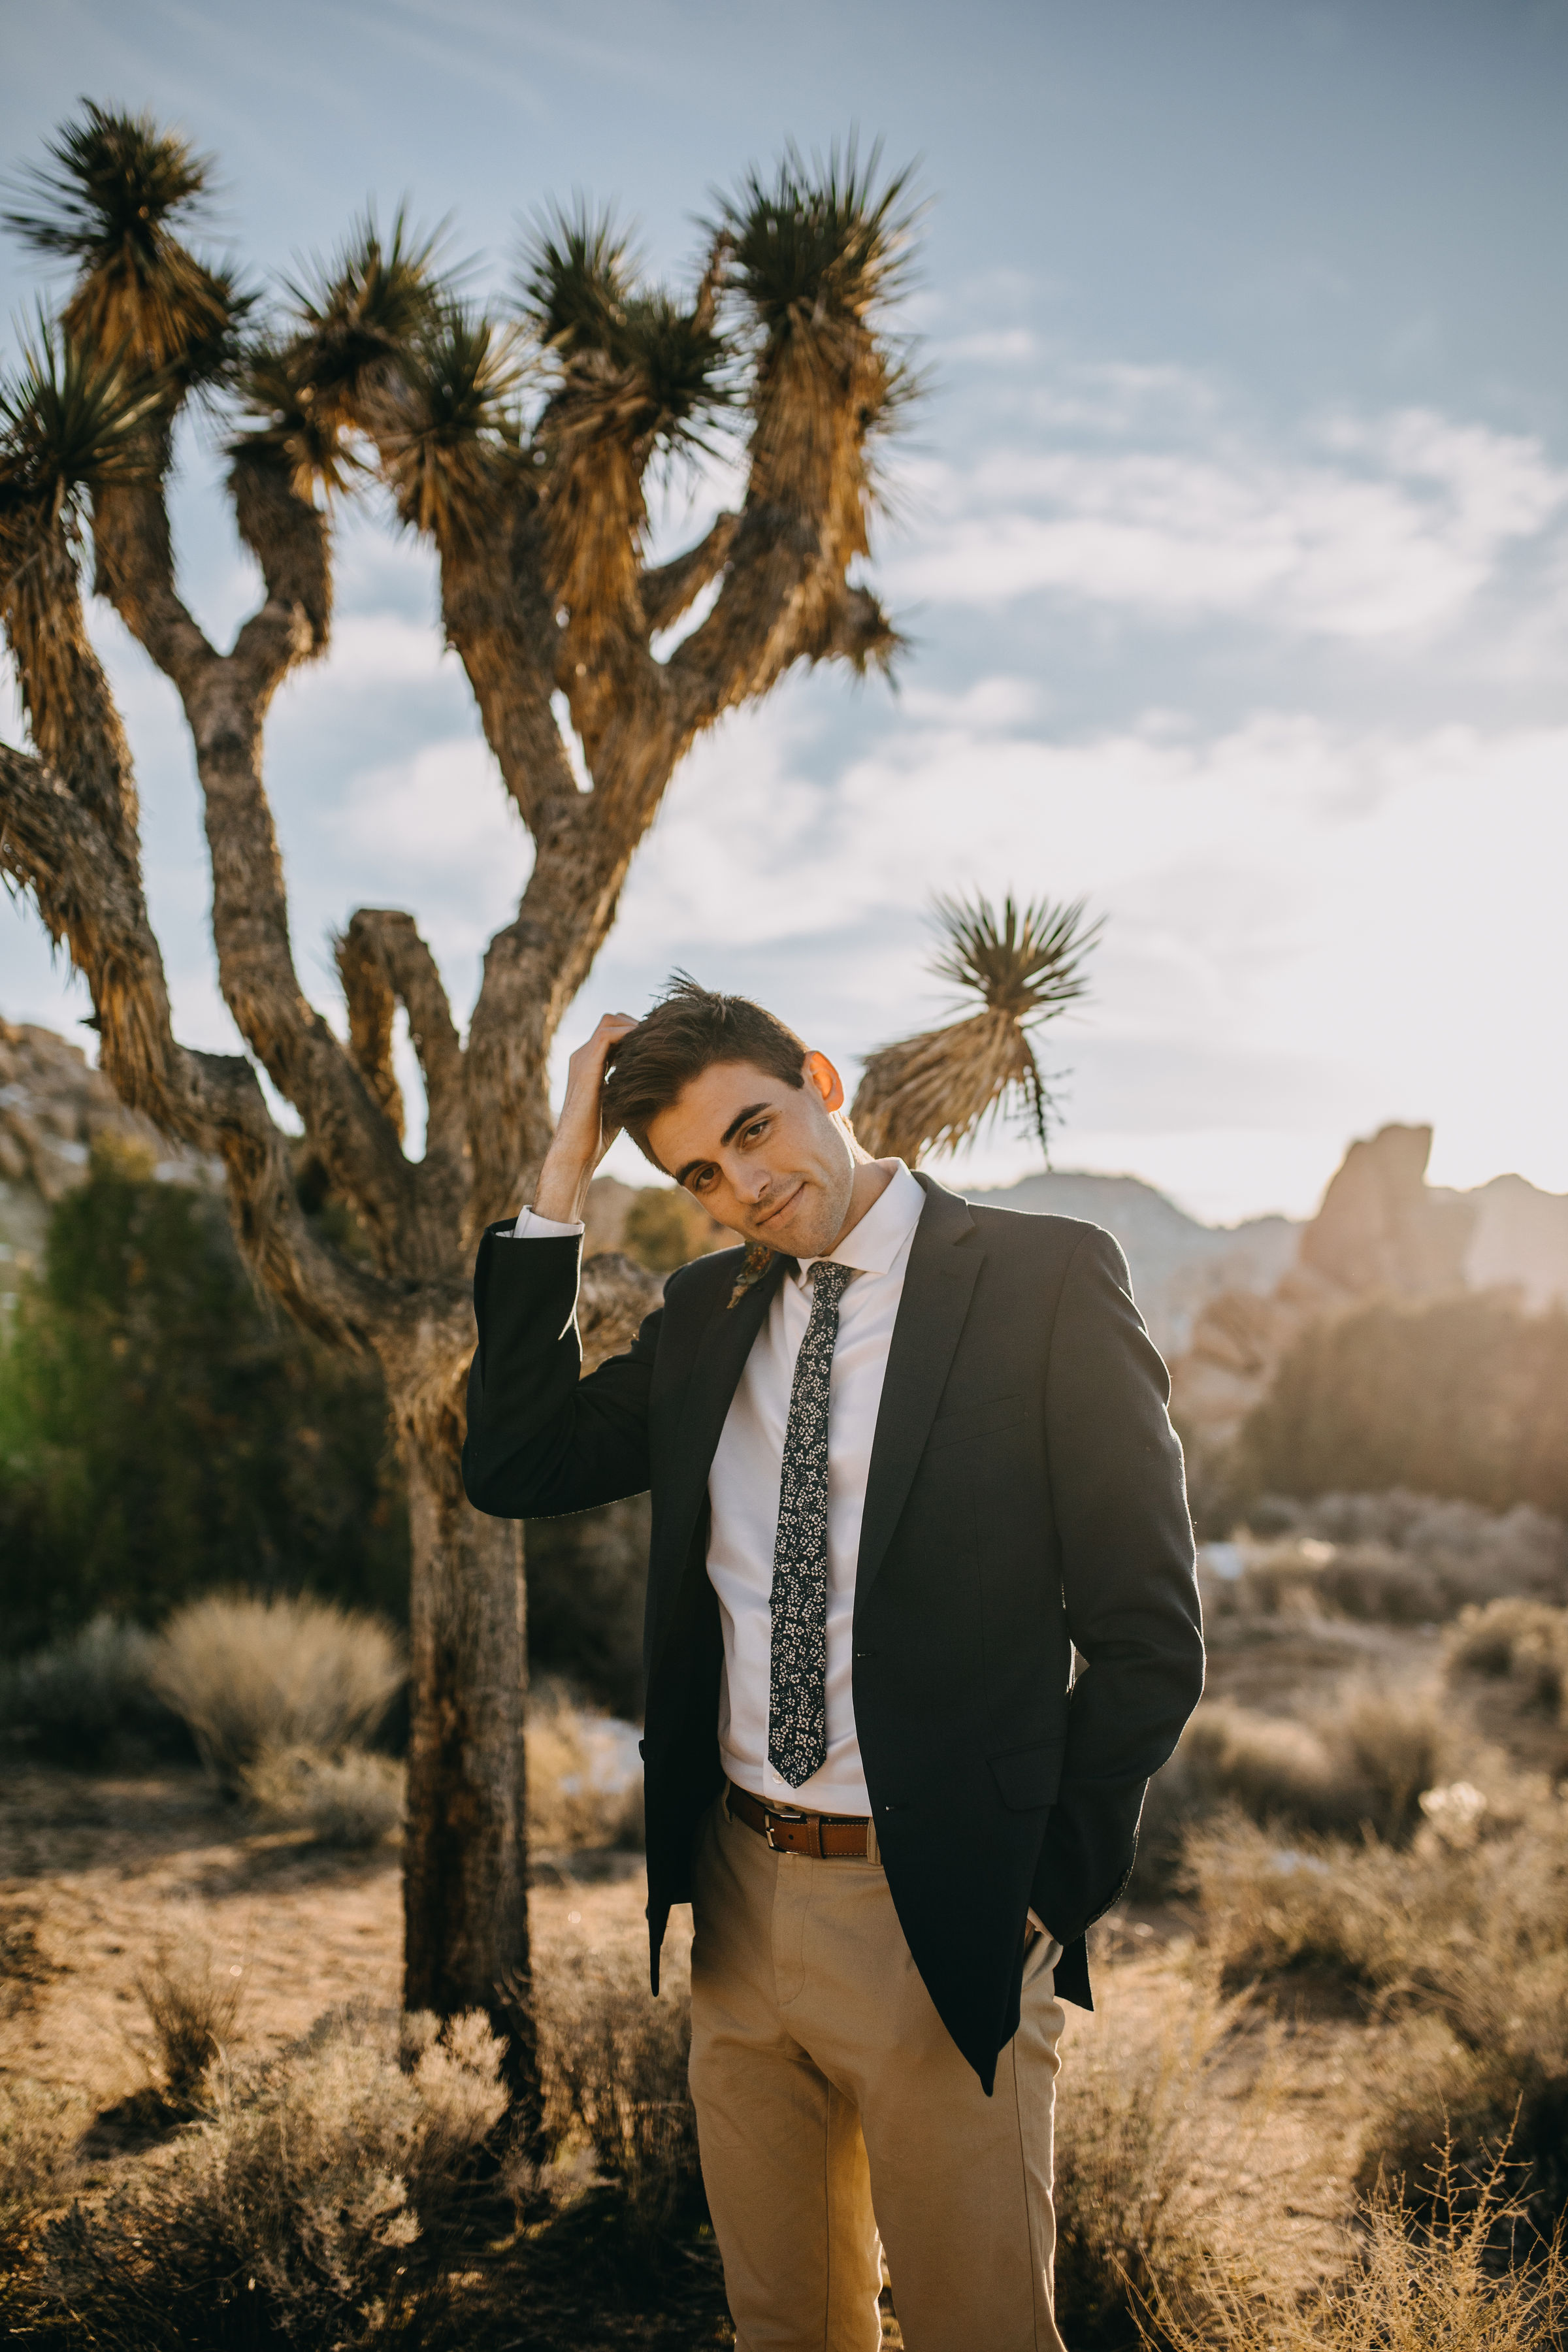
x,y
829,1279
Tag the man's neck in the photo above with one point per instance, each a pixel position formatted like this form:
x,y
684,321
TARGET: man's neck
x,y
872,1178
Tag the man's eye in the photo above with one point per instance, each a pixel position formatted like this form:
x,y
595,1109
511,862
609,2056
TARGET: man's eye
x,y
700,1182
758,1127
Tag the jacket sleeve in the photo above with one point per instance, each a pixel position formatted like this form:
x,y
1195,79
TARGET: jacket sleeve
x,y
541,1440
1129,1582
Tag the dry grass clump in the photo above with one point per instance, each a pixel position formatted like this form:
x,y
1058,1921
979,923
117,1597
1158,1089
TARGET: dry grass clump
x,y
317,2201
1463,1937
1522,1642
584,1789
1420,2282
614,2062
1396,1559
1128,2223
247,1675
192,1999
1362,1764
39,2170
354,1800
79,1700
1467,1553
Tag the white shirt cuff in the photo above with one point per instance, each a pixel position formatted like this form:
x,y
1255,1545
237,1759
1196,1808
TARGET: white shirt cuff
x,y
532,1227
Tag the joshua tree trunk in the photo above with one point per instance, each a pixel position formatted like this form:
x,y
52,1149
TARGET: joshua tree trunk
x,y
538,523
464,1886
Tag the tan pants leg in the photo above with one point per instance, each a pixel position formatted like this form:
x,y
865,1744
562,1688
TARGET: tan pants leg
x,y
825,2084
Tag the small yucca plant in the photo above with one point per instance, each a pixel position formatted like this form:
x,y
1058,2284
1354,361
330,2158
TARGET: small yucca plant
x,y
933,1091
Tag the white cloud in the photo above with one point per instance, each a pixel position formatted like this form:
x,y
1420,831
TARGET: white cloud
x,y
1312,929
1395,527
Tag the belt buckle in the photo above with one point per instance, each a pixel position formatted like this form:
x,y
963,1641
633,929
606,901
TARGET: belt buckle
x,y
775,1822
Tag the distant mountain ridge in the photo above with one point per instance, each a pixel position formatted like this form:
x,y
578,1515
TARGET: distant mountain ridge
x,y
1178,1263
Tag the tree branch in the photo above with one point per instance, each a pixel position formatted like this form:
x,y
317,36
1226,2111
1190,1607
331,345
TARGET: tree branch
x,y
224,699
383,962
672,589
90,899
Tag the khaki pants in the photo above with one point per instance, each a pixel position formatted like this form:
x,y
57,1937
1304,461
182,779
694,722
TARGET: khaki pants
x,y
826,2084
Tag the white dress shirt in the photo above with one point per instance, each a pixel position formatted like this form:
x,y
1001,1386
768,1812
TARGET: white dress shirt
x,y
743,1493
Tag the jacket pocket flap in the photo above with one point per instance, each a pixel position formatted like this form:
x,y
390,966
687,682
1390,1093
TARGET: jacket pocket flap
x,y
975,1420
1029,1776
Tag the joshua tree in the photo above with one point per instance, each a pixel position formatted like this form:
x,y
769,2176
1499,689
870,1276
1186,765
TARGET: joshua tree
x,y
517,447
932,1092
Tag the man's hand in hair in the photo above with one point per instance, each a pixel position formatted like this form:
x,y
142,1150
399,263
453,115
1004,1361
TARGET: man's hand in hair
x,y
580,1138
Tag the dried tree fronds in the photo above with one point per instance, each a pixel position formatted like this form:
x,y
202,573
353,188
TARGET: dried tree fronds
x,y
933,1091
108,200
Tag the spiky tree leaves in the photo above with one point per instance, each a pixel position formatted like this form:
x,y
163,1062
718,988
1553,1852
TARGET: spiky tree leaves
x,y
932,1092
111,200
519,449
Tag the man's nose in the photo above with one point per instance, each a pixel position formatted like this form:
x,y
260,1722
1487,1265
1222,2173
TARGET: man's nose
x,y
751,1183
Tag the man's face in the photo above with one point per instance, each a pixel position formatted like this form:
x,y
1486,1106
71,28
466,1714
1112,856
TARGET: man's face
x,y
766,1159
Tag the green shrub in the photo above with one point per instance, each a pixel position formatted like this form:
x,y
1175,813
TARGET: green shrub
x,y
1467,1553
587,1581
247,1675
162,1430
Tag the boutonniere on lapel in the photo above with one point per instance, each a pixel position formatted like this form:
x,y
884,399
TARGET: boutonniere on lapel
x,y
758,1259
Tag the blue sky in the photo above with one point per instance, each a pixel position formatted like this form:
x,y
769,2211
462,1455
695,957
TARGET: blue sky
x,y
1233,540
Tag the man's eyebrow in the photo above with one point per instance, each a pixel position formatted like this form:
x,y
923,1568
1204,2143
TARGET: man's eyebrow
x,y
736,1124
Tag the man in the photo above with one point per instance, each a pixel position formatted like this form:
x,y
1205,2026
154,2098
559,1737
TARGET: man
x,y
905,1455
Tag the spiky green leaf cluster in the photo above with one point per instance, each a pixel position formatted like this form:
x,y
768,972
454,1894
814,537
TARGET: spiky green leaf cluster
x,y
463,376
110,200
660,368
70,422
820,243
1027,963
370,302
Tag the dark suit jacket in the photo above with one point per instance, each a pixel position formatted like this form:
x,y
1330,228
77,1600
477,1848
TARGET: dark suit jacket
x,y
1024,1496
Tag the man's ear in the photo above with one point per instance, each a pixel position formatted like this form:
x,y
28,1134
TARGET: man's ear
x,y
821,1074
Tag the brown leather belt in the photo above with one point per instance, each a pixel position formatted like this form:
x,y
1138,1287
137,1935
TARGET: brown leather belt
x,y
828,1837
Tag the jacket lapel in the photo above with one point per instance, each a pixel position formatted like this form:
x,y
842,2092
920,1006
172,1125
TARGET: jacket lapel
x,y
937,1285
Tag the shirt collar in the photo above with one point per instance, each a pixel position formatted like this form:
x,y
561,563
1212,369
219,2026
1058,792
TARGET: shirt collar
x,y
876,1243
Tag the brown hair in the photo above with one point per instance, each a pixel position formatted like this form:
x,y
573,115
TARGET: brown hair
x,y
689,1030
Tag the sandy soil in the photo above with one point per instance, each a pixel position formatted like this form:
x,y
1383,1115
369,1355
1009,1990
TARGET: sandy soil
x,y
96,1873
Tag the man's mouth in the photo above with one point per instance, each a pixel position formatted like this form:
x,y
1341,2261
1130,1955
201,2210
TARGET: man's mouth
x,y
768,1215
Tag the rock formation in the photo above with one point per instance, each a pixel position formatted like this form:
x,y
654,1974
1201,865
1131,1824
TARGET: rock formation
x,y
1381,1231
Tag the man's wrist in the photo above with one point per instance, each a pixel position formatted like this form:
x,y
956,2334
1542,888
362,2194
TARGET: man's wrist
x,y
561,1194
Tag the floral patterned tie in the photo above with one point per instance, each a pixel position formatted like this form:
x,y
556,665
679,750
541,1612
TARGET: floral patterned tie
x,y
797,1695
